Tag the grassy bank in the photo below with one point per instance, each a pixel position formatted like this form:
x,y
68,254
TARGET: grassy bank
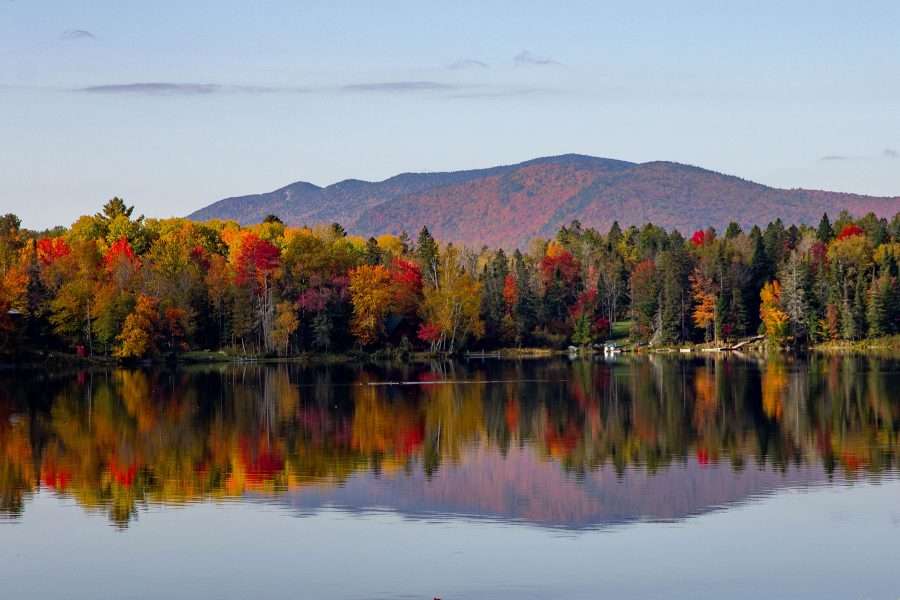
x,y
882,344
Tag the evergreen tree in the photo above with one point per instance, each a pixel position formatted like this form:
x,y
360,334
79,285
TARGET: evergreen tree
x,y
733,231
825,233
555,301
737,312
37,296
427,256
405,242
761,271
338,231
894,228
849,326
792,237
674,267
374,255
878,307
645,297
526,306
322,331
614,235
114,208
581,331
775,241
493,304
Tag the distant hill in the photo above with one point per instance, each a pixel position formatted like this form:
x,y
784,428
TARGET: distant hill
x,y
509,205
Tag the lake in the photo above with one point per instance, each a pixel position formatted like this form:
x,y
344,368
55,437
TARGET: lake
x,y
639,477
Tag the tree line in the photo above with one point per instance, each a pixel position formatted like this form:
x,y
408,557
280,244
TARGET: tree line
x,y
114,284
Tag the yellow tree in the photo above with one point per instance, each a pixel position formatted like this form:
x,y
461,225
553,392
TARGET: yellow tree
x,y
850,259
705,302
286,323
773,316
138,337
370,293
452,308
74,304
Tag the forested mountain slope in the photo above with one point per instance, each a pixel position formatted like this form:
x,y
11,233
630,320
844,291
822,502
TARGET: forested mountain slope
x,y
509,205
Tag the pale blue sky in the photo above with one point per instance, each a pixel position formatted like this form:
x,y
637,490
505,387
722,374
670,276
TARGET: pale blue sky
x,y
793,94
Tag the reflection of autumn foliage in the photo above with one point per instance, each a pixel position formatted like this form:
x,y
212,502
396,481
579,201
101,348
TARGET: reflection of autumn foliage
x,y
54,477
17,474
122,439
774,387
257,466
561,440
705,401
386,428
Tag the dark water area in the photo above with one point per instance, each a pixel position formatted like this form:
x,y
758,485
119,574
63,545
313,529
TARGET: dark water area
x,y
633,478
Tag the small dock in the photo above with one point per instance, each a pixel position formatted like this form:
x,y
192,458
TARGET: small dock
x,y
731,347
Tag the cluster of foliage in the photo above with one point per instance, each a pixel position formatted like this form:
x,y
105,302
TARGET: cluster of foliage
x,y
125,286
796,284
117,439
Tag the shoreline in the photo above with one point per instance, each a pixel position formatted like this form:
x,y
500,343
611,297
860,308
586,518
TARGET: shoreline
x,y
889,346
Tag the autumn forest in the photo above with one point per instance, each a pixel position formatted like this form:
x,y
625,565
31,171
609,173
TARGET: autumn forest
x,y
123,286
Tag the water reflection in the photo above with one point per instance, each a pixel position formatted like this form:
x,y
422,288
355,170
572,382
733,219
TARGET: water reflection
x,y
577,445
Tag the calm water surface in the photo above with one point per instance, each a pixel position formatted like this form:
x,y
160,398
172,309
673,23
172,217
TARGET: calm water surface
x,y
638,478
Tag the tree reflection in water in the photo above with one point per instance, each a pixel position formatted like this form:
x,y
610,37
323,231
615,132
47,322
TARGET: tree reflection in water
x,y
551,442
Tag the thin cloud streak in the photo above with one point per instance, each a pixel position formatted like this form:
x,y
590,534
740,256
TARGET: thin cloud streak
x,y
77,34
888,153
432,88
183,89
467,63
526,58
398,87
501,93
157,88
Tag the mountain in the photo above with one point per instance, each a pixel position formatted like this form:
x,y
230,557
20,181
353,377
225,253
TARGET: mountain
x,y
509,205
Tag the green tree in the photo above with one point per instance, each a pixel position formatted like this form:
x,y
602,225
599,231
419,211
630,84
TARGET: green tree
x,y
493,302
427,256
733,231
825,233
374,255
526,307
